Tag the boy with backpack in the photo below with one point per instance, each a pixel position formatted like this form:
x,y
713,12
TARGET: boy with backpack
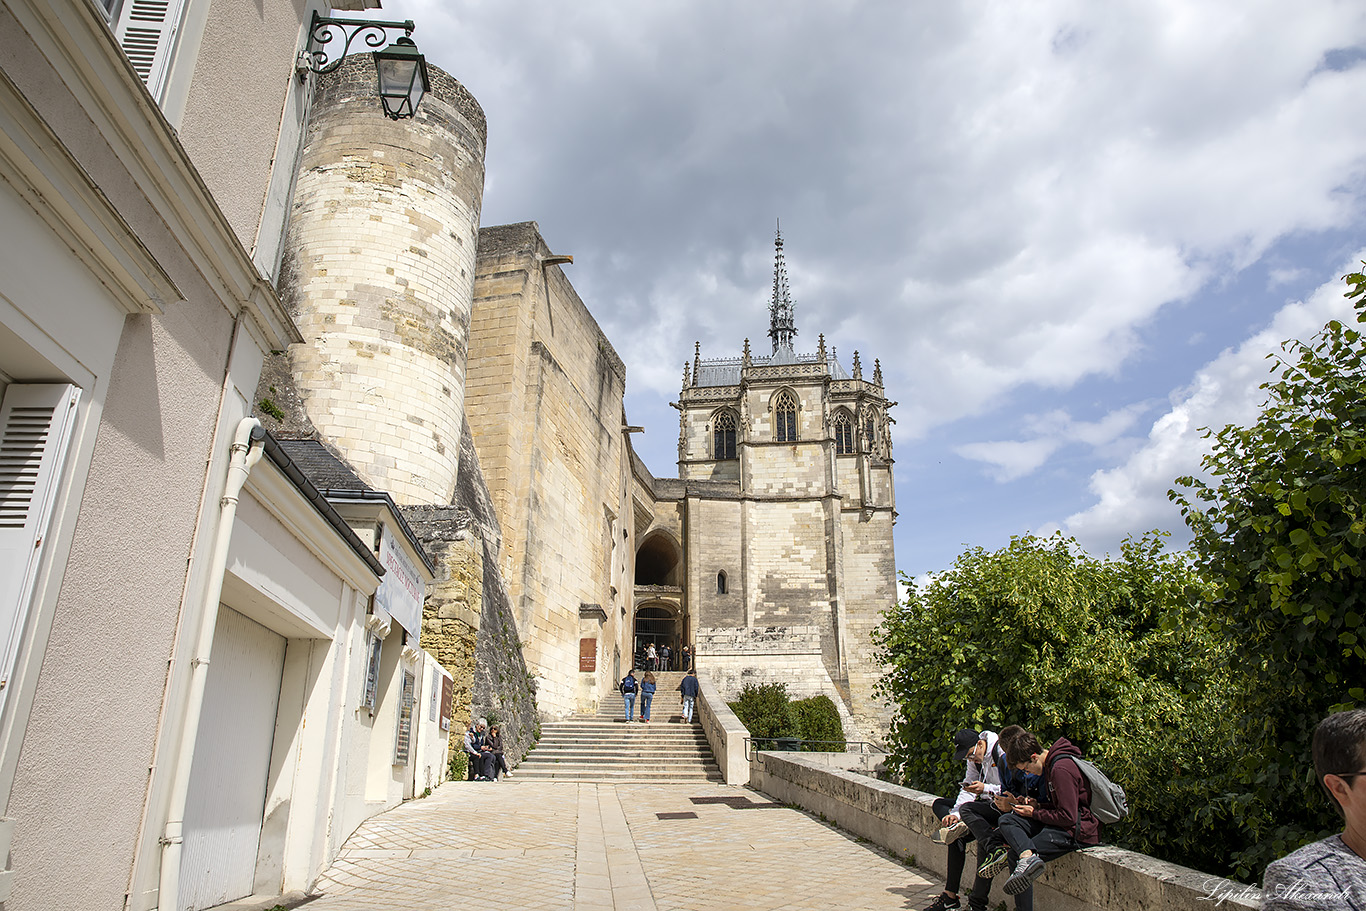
x,y
628,694
1039,831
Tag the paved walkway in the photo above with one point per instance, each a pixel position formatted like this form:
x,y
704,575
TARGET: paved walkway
x,y
599,847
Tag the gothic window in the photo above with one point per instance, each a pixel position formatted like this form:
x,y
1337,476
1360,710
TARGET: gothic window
x,y
721,583
723,436
785,417
844,433
870,431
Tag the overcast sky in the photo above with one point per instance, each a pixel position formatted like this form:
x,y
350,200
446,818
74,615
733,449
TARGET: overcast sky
x,y
1070,231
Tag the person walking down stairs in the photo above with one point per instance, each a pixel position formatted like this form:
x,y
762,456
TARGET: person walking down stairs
x,y
628,694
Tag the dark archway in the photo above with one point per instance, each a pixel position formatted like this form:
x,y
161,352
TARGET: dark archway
x,y
657,562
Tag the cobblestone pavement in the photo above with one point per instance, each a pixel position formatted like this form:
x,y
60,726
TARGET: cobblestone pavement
x,y
603,847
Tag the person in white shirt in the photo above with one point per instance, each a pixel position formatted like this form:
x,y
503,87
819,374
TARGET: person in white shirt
x,y
981,781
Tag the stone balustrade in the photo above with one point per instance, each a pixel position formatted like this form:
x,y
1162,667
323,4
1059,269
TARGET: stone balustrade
x,y
1102,878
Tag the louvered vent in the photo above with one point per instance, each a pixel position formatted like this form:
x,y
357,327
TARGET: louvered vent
x,y
21,453
141,36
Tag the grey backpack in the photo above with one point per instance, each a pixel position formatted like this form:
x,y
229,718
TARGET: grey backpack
x,y
1108,803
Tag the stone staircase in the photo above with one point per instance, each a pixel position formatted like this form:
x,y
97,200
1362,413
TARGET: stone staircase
x,y
603,747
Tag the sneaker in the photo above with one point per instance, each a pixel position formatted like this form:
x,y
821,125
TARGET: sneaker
x,y
507,774
942,902
993,864
1026,871
950,834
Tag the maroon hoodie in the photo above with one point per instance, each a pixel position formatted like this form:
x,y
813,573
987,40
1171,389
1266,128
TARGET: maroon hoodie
x,y
1067,796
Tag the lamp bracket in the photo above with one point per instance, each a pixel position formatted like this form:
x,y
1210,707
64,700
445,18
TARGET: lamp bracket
x,y
316,57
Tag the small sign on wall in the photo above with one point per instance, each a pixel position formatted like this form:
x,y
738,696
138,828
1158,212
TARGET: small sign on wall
x,y
588,654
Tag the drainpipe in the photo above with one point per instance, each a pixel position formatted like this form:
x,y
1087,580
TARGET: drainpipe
x,y
247,448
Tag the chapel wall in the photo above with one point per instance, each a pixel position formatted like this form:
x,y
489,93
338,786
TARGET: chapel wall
x,y
715,546
870,587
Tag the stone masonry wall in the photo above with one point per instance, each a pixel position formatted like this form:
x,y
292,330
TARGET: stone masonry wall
x,y
467,620
869,583
545,407
379,274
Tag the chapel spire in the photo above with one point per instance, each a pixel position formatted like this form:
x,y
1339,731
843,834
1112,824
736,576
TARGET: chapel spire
x,y
782,328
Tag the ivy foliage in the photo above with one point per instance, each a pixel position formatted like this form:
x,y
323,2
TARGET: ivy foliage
x,y
1279,525
1112,654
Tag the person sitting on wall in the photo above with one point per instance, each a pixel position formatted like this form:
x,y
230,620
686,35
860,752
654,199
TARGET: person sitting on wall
x,y
983,818
628,694
689,688
1059,823
982,779
471,746
496,760
1329,874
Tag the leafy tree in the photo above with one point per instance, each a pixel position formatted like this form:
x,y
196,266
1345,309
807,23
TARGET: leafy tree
x,y
1280,535
1109,653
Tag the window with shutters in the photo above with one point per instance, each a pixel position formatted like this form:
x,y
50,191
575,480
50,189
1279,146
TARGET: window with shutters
x,y
36,422
723,435
785,417
844,433
403,740
374,645
147,31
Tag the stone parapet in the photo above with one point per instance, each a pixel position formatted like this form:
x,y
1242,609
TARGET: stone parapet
x,y
725,733
902,820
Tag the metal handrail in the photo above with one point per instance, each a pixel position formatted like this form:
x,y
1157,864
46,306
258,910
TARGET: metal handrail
x,y
864,746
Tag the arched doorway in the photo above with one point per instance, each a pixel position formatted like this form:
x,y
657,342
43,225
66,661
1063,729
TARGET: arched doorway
x,y
657,625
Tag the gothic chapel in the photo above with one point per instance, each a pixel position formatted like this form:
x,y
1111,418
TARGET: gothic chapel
x,y
780,520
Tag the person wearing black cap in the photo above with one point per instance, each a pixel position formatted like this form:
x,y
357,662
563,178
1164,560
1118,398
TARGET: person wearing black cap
x,y
981,781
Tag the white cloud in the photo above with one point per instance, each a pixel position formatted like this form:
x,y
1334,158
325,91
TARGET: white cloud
x,y
1132,497
1010,460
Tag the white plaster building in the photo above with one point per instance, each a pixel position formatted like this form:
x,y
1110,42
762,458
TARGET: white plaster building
x,y
188,710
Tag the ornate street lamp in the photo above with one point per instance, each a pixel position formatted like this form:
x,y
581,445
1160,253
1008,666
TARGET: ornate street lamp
x,y
402,68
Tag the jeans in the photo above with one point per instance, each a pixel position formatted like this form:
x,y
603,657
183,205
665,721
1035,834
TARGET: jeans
x,y
687,708
630,705
958,853
1049,842
645,700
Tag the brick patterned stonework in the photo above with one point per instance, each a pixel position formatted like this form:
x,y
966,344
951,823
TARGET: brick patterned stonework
x,y
545,404
379,273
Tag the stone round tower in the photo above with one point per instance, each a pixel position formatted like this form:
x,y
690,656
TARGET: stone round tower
x,y
379,273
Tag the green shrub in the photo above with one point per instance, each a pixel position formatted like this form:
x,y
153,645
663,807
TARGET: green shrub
x,y
764,711
457,766
818,719
1116,655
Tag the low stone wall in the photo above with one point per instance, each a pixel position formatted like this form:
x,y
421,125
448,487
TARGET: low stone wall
x,y
1103,878
725,734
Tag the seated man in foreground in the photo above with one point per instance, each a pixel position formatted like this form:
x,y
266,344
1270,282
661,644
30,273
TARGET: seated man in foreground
x,y
1057,824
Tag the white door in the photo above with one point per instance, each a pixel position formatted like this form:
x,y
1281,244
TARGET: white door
x,y
231,762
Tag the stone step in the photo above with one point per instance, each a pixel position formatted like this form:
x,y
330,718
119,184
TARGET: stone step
x,y
595,772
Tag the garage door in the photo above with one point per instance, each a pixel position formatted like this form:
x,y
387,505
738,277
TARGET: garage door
x,y
231,762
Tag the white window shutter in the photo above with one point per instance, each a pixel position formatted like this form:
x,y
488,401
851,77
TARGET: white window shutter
x,y
147,32
35,426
